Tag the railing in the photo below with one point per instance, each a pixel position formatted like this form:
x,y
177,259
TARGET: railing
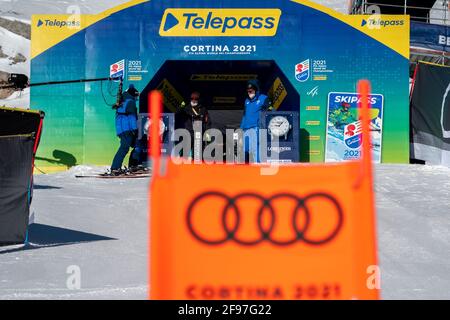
x,y
438,14
434,15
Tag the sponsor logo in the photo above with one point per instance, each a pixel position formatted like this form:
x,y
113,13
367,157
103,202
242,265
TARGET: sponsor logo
x,y
172,98
302,71
250,22
383,23
353,98
134,78
277,93
316,69
233,207
224,100
58,23
445,114
279,149
313,92
352,135
444,40
171,21
320,78
223,77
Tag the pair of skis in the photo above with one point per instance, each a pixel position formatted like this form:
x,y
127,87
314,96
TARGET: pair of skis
x,y
125,175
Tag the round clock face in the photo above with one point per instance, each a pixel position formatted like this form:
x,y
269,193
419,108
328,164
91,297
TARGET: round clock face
x,y
162,127
279,126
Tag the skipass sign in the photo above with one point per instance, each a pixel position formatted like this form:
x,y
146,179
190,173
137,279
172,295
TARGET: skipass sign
x,y
344,127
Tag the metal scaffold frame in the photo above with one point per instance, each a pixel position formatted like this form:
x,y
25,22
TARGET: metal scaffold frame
x,y
432,14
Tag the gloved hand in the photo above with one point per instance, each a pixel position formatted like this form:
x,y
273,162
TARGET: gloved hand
x,y
183,105
270,108
208,137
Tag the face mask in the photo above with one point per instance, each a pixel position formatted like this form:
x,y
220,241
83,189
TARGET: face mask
x,y
194,103
251,95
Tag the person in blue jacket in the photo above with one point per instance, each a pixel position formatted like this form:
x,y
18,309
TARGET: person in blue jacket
x,y
126,128
255,103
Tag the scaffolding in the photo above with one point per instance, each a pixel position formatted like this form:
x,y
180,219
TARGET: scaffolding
x,y
426,11
434,12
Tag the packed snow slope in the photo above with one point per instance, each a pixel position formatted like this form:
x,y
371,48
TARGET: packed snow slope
x,y
101,227
11,46
97,225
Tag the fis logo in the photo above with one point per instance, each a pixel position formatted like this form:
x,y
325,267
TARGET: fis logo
x,y
220,23
313,92
373,23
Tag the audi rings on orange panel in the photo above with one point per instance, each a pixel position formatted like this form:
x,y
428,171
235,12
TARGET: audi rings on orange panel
x,y
231,207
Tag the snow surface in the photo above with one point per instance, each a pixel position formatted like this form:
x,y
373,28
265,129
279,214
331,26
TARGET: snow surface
x,y
104,232
11,45
19,99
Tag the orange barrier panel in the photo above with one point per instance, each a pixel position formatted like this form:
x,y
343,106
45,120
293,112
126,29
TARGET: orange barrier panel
x,y
228,232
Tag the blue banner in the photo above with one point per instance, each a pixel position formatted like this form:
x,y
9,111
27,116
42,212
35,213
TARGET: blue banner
x,y
430,36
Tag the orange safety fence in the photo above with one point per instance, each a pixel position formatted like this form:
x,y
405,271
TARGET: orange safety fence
x,y
228,232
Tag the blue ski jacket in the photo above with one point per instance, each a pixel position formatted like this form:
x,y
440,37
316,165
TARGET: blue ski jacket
x,y
126,115
253,109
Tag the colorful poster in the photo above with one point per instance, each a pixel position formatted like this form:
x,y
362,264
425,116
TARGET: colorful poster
x,y
344,127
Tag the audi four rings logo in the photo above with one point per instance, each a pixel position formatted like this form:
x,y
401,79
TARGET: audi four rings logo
x,y
265,229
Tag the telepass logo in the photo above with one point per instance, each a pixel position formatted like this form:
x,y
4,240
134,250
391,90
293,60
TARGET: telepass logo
x,y
54,23
249,22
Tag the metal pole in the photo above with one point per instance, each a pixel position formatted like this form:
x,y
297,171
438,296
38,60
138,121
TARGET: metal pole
x,y
445,3
406,3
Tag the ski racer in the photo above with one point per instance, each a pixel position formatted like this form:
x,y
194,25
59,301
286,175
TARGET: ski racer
x,y
342,116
